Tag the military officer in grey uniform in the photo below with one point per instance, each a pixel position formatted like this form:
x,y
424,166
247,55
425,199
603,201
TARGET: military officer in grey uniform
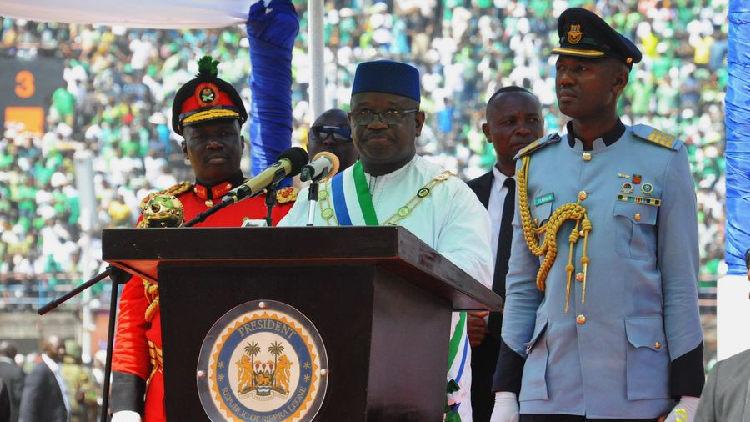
x,y
601,314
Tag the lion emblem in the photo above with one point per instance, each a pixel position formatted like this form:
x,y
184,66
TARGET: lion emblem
x,y
282,373
245,374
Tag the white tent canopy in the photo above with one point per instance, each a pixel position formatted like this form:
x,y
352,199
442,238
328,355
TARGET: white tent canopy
x,y
133,13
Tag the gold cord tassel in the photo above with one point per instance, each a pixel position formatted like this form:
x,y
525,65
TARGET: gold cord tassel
x,y
572,239
587,226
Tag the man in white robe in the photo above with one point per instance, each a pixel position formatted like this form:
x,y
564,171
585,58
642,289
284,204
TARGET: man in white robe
x,y
392,185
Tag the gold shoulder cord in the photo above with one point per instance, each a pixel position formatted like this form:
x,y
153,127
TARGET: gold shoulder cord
x,y
151,287
548,247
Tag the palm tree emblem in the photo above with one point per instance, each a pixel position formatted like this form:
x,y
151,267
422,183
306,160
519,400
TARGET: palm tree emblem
x,y
252,350
275,349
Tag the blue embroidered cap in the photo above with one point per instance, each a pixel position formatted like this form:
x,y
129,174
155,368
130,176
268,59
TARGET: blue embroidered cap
x,y
388,77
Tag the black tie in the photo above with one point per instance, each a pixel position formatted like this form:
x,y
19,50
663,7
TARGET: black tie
x,y
504,240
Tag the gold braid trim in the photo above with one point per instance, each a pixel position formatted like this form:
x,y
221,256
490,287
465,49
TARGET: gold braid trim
x,y
215,113
175,190
151,290
532,233
156,359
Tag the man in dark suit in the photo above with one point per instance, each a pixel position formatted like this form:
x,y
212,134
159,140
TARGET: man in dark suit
x,y
5,405
514,120
12,375
44,393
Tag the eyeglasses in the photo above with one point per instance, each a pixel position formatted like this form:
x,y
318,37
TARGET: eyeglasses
x,y
391,116
340,134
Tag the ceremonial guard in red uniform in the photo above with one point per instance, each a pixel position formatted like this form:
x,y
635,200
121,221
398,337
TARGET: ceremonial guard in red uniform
x,y
209,114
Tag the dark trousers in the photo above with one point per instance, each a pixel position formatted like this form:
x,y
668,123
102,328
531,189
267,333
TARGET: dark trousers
x,y
573,418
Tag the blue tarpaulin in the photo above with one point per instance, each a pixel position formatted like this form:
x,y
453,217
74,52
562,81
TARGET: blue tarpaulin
x,y
271,32
737,122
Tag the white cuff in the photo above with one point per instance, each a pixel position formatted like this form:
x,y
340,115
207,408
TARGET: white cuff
x,y
126,416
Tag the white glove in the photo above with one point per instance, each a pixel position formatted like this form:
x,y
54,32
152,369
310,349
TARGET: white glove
x,y
684,411
126,416
505,409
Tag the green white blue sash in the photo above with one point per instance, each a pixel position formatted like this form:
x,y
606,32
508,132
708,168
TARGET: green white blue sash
x,y
364,197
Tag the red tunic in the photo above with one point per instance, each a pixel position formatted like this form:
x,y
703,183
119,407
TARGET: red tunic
x,y
139,319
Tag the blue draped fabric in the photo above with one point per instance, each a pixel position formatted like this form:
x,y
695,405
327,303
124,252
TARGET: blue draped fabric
x,y
737,122
271,32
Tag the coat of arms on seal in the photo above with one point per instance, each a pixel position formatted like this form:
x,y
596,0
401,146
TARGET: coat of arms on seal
x,y
575,34
262,361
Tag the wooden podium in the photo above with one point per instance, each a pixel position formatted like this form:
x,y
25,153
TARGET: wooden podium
x,y
380,298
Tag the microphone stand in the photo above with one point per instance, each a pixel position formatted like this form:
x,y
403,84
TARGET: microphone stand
x,y
110,327
271,196
312,199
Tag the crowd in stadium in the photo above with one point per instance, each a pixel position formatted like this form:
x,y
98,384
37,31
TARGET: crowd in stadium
x,y
114,101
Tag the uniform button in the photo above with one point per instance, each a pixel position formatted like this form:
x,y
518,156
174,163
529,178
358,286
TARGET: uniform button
x,y
637,217
582,195
580,319
579,277
586,156
657,345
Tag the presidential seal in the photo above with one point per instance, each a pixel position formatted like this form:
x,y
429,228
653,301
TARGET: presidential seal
x,y
262,361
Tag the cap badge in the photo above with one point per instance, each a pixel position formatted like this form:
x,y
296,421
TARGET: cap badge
x,y
207,94
575,34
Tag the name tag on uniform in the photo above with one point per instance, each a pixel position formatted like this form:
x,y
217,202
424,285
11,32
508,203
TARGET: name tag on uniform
x,y
546,198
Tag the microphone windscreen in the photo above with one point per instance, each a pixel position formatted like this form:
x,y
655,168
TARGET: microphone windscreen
x,y
298,157
334,162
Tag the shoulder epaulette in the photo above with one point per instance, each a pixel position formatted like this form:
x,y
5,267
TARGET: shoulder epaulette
x,y
286,195
665,140
174,191
538,144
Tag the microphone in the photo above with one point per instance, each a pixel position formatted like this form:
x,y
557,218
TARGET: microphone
x,y
323,166
289,164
